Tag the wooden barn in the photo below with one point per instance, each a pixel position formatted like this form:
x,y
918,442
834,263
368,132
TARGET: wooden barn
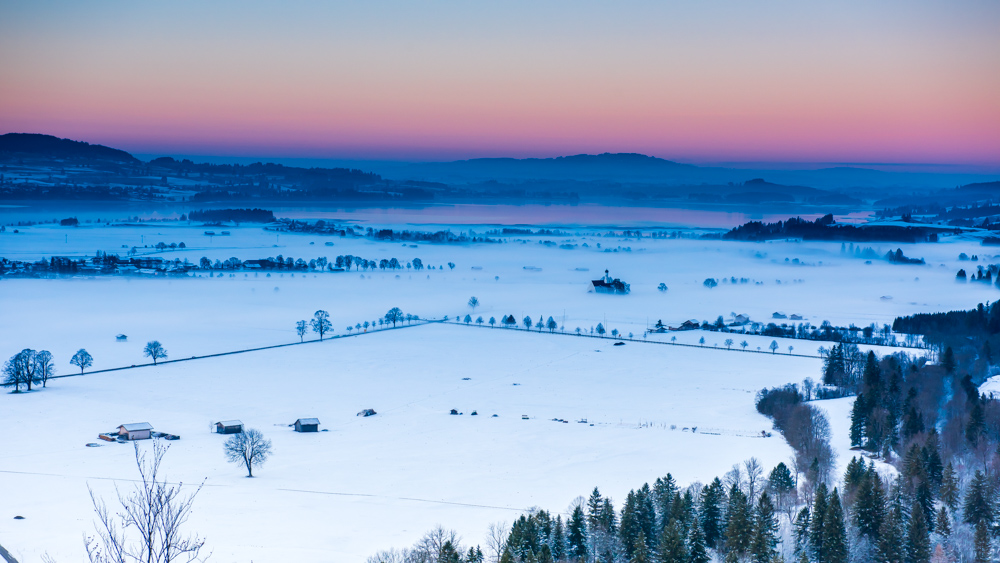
x,y
228,427
121,338
307,425
135,431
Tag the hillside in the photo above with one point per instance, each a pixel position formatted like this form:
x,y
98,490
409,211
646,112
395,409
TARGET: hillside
x,y
47,146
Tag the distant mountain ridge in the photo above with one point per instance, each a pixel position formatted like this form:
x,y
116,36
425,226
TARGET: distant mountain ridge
x,y
605,166
35,144
630,175
635,168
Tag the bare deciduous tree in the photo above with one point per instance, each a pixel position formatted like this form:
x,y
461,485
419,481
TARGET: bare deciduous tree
x,y
154,350
301,328
82,359
395,315
321,323
20,369
755,476
147,528
44,369
434,540
496,539
390,556
248,449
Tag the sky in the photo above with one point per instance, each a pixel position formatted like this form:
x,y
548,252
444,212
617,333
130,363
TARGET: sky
x,y
856,81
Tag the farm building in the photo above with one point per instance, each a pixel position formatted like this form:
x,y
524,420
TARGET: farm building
x,y
228,427
135,430
307,425
121,338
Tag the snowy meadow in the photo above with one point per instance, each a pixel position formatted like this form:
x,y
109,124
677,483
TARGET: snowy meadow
x,y
368,483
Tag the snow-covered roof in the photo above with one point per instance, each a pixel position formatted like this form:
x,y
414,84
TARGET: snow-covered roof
x,y
132,427
308,421
230,423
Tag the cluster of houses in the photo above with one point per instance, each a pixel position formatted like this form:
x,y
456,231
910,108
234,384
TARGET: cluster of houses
x,y
144,431
98,265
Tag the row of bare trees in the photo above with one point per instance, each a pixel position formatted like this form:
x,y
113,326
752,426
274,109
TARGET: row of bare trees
x,y
28,368
321,324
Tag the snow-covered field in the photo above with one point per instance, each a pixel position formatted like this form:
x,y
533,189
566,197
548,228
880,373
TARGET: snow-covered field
x,y
377,482
382,481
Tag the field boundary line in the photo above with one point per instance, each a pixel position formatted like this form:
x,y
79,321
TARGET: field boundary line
x,y
424,322
242,351
637,341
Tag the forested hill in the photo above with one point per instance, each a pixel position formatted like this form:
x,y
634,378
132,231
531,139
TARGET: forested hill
x,y
825,228
36,145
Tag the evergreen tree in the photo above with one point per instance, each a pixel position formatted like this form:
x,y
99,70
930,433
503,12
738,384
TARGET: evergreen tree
x,y
739,523
475,555
976,426
630,526
800,531
943,522
765,533
576,536
697,550
608,518
859,421
712,498
870,505
646,512
558,540
892,537
918,541
913,420
833,370
781,480
664,490
448,553
834,535
607,526
933,465
923,498
640,551
594,509
982,544
678,512
949,487
817,524
978,506
854,474
872,376
688,512
948,360
672,548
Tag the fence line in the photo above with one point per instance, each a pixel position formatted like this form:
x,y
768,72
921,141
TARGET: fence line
x,y
243,351
422,322
643,341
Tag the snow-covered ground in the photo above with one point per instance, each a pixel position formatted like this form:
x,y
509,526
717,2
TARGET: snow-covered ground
x,y
371,483
838,413
382,481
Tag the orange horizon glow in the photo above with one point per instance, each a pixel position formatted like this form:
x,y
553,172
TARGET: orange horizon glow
x,y
907,82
